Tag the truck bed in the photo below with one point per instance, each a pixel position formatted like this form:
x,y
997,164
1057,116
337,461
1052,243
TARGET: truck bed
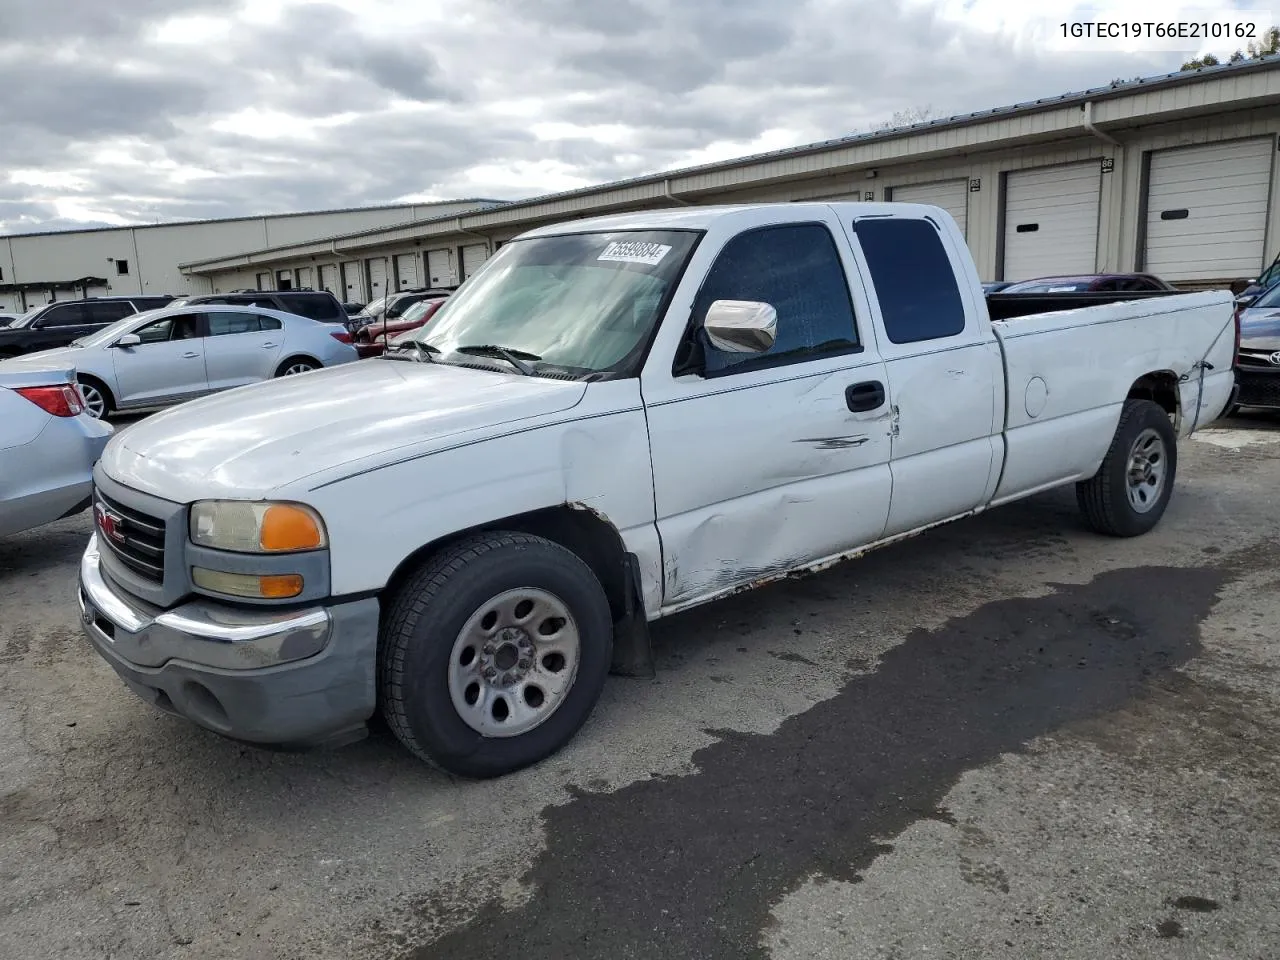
x,y
1057,364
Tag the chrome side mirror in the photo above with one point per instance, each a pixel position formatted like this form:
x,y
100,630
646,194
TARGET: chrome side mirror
x,y
128,340
741,326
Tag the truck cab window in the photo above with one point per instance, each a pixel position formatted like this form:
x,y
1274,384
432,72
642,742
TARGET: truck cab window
x,y
796,269
913,279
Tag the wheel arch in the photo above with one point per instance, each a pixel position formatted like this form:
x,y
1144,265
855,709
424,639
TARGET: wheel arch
x,y
597,542
103,387
1162,387
293,358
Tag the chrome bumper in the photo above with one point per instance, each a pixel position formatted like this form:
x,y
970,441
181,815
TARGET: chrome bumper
x,y
202,632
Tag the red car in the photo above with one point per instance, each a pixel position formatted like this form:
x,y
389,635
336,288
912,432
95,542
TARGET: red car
x,y
371,341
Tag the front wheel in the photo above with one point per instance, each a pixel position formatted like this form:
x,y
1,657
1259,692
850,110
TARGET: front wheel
x,y
1129,493
97,400
494,653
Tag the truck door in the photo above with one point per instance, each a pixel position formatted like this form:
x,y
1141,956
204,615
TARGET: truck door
x,y
945,376
767,461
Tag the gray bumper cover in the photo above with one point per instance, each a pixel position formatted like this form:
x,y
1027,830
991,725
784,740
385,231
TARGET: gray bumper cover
x,y
288,679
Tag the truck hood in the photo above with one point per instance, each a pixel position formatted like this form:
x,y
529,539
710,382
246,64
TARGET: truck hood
x,y
250,441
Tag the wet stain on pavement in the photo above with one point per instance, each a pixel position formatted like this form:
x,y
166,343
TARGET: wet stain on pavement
x,y
690,866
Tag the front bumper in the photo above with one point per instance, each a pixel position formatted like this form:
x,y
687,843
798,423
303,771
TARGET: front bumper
x,y
293,679
1258,386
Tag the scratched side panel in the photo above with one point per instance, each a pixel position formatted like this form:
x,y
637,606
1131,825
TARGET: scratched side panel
x,y
765,471
599,459
1085,361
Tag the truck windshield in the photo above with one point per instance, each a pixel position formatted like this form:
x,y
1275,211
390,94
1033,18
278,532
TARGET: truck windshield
x,y
585,303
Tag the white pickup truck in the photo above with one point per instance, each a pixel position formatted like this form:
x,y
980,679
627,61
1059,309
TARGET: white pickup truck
x,y
613,420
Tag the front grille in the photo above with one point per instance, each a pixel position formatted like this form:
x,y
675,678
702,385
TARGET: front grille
x,y
134,538
1258,389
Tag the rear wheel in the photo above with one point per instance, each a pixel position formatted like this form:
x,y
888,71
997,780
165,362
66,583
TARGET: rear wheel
x,y
296,365
494,653
97,398
1129,493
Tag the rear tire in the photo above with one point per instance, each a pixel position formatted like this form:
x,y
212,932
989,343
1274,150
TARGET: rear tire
x,y
493,654
1129,493
98,402
296,365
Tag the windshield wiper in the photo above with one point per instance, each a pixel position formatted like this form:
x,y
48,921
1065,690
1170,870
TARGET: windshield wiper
x,y
422,352
514,357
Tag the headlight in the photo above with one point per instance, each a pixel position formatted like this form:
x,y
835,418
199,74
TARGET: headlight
x,y
247,527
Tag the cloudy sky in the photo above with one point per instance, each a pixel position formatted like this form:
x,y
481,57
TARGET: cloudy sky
x,y
140,111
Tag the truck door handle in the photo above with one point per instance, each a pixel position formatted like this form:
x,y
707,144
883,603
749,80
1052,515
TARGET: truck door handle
x,y
861,397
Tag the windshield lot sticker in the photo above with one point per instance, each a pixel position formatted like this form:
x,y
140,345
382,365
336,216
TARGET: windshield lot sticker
x,y
635,251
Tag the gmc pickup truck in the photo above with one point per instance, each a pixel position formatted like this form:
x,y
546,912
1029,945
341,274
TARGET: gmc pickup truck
x,y
613,420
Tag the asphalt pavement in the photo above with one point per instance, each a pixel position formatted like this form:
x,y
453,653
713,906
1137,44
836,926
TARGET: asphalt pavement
x,y
1006,738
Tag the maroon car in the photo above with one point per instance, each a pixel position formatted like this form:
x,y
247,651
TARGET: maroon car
x,y
371,340
1089,283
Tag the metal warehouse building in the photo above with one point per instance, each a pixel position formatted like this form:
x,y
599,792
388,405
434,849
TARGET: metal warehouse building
x,y
64,265
1173,175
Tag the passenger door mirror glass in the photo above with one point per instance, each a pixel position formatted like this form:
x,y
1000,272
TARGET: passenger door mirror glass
x,y
741,326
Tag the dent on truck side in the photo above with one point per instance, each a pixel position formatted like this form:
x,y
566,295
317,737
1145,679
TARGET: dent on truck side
x,y
595,458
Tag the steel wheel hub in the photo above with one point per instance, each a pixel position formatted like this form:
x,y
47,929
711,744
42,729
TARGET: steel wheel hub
x,y
1146,470
514,662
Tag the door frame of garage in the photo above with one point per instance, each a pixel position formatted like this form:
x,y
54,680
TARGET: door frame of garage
x,y
1002,205
1144,193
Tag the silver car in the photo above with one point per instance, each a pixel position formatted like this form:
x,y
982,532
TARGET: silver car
x,y
166,356
48,446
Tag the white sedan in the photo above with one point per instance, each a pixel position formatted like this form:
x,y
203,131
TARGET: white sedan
x,y
166,356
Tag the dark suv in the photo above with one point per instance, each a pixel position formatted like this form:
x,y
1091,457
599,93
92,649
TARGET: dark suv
x,y
317,304
57,324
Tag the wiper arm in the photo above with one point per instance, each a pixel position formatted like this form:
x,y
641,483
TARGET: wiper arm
x,y
516,358
422,352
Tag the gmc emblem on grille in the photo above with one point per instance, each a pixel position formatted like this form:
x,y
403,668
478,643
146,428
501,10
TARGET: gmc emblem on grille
x,y
109,523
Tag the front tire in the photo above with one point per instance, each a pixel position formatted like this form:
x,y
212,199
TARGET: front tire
x,y
98,402
494,653
1129,493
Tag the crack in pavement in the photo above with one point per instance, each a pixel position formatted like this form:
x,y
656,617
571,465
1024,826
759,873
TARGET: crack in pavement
x,y
691,866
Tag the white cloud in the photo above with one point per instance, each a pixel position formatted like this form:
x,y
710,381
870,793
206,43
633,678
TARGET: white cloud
x,y
170,108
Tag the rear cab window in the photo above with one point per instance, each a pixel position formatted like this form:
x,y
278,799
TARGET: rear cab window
x,y
913,278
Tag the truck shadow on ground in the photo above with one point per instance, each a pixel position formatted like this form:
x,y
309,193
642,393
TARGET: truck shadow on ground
x,y
691,865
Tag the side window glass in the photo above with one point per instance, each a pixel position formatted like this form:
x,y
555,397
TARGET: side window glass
x,y
913,279
68,315
224,324
108,312
269,323
155,332
796,269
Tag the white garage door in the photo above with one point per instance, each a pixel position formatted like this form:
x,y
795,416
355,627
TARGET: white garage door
x,y
329,279
1207,210
352,282
951,195
440,268
306,278
1051,221
472,257
377,277
264,281
406,271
